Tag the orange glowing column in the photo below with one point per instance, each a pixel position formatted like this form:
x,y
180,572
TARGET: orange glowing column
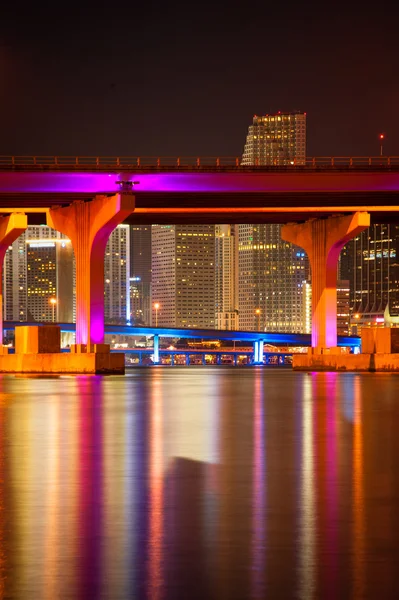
x,y
89,225
323,240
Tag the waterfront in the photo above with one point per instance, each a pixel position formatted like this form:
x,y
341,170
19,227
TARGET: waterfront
x,y
199,483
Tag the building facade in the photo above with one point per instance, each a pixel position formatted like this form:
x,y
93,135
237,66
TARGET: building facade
x,y
278,139
39,277
271,275
371,264
140,274
272,271
183,275
226,276
117,277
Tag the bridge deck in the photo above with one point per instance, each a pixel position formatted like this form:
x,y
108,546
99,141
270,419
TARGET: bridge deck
x,y
209,193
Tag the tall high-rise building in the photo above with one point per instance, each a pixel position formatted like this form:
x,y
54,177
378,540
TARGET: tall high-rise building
x,y
278,139
272,271
38,268
117,276
183,275
371,264
226,276
140,273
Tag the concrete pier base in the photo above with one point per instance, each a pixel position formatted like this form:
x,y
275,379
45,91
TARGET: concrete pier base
x,y
57,363
346,362
37,350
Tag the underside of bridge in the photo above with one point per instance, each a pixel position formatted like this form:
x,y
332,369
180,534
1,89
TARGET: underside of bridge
x,y
164,208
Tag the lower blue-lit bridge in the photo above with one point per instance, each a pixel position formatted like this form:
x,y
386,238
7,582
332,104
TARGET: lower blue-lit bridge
x,y
156,355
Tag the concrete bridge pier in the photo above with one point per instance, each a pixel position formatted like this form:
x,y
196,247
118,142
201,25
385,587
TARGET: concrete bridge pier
x,y
323,240
11,228
89,225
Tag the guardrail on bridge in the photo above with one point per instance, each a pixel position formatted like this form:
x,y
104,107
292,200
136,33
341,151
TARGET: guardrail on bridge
x,y
190,162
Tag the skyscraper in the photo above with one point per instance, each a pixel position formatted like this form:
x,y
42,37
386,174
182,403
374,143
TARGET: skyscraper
x,y
117,276
140,273
278,139
371,264
38,268
183,275
226,276
271,271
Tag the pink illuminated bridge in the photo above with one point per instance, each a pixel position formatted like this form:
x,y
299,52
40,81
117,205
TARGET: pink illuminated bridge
x,y
206,190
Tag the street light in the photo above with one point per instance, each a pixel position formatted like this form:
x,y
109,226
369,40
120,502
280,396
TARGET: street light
x,y
53,302
257,312
156,306
381,138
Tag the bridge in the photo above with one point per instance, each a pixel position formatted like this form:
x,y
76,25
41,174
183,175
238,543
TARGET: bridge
x,y
206,190
258,340
323,202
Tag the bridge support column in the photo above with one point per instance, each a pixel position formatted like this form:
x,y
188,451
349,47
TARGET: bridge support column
x,y
11,228
89,225
323,240
258,352
156,349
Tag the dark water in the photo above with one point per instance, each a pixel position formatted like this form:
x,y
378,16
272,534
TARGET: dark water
x,y
200,483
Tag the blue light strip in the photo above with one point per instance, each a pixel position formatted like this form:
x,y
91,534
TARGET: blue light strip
x,y
277,339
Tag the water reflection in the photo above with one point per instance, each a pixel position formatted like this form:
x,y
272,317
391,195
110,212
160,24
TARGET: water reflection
x,y
307,503
358,495
199,483
155,577
258,546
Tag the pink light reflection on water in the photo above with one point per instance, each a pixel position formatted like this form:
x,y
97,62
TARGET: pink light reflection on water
x,y
258,542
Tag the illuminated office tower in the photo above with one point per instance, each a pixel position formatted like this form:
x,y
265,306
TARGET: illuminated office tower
x,y
140,273
278,139
226,276
39,269
183,275
117,277
307,306
371,264
271,275
40,266
272,271
343,310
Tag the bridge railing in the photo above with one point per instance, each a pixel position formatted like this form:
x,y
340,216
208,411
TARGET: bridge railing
x,y
190,162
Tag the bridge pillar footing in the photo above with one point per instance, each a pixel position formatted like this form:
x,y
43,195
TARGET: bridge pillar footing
x,y
323,240
88,225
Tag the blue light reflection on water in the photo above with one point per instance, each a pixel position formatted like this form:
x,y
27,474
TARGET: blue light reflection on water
x,y
200,483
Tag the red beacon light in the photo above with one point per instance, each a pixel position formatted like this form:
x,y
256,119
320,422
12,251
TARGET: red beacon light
x,y
382,136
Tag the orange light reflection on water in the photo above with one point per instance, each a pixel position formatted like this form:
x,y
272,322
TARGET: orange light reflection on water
x,y
358,536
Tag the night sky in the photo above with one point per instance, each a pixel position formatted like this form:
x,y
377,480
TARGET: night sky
x,y
174,78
